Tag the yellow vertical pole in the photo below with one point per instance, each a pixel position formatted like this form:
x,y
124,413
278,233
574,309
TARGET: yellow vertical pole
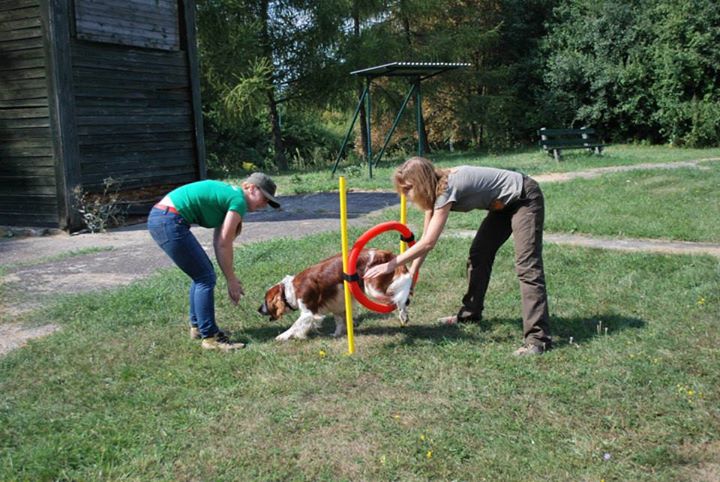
x,y
403,219
346,284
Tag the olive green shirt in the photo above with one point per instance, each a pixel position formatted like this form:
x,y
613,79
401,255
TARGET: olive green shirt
x,y
472,187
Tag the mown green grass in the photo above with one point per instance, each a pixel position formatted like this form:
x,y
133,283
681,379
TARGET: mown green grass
x,y
121,392
530,161
672,204
678,204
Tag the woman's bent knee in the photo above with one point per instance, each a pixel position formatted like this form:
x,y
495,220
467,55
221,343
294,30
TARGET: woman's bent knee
x,y
208,279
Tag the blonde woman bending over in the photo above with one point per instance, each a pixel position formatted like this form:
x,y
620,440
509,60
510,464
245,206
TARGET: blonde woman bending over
x,y
516,206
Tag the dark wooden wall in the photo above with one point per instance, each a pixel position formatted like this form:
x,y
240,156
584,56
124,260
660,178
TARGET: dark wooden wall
x,y
28,191
133,106
140,23
134,115
91,89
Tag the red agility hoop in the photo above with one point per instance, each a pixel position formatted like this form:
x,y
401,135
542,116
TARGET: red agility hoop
x,y
352,276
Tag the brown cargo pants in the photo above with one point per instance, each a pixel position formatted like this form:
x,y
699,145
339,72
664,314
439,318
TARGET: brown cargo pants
x,y
523,219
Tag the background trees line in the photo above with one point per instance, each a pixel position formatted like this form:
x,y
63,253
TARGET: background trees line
x,y
277,90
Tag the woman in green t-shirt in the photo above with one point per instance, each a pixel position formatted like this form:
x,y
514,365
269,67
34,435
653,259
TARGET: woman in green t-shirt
x,y
217,205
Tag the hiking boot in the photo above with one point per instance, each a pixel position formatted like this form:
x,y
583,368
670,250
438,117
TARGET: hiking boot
x,y
220,341
463,316
529,350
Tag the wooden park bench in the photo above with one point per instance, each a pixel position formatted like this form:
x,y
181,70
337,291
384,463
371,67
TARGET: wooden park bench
x,y
553,141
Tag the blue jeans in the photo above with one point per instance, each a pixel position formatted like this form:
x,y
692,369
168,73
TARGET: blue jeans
x,y
172,233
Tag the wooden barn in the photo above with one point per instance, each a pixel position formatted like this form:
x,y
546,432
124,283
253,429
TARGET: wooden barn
x,y
92,89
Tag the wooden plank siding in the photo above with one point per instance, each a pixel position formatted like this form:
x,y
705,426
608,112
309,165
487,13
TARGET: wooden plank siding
x,y
139,23
28,187
91,89
134,115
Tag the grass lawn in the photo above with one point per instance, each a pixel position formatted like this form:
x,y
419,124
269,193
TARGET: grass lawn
x,y
678,204
530,161
630,393
121,392
674,204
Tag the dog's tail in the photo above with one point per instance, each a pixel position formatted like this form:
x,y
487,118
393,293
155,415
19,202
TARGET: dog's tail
x,y
400,289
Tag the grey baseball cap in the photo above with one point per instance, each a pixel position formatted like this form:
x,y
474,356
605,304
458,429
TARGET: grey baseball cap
x,y
266,186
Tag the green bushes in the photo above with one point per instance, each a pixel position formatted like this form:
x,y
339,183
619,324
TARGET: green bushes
x,y
646,70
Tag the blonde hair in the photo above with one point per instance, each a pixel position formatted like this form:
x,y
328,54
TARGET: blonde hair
x,y
426,181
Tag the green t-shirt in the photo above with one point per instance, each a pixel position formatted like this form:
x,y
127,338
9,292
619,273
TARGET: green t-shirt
x,y
207,202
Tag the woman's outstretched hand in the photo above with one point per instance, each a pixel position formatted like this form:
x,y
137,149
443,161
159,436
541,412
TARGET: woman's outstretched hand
x,y
380,269
235,290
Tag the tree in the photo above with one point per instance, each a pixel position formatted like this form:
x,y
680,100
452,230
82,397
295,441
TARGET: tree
x,y
685,70
257,54
489,103
640,70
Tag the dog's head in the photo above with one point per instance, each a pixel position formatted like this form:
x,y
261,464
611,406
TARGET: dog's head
x,y
275,304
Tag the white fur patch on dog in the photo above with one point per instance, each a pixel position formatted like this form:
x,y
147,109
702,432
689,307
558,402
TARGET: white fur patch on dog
x,y
400,289
289,289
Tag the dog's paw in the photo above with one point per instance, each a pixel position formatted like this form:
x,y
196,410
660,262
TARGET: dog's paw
x,y
291,335
404,317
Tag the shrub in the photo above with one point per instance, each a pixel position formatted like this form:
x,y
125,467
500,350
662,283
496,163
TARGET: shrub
x,y
99,211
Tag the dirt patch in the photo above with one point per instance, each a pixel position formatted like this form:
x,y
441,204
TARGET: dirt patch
x,y
703,461
15,335
600,171
644,245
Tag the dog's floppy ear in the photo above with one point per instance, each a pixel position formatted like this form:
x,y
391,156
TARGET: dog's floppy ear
x,y
274,305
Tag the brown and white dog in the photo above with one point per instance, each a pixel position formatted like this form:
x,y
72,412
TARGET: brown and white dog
x,y
318,291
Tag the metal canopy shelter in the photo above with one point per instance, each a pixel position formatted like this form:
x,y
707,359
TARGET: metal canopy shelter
x,y
416,72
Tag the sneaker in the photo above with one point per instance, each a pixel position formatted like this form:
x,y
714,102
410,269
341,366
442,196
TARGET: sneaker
x,y
220,341
529,350
196,335
462,317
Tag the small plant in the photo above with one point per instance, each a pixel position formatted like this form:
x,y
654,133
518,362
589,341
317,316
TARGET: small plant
x,y
297,160
249,166
99,211
355,170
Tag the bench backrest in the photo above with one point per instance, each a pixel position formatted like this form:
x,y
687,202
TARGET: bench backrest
x,y
583,137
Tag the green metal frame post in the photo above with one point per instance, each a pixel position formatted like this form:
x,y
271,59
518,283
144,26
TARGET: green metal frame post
x,y
416,72
349,131
368,122
419,117
395,124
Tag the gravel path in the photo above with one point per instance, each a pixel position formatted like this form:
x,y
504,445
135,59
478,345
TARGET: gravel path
x,y
625,244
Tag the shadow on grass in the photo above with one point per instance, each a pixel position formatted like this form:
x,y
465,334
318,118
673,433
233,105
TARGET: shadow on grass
x,y
436,333
584,329
581,329
261,334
